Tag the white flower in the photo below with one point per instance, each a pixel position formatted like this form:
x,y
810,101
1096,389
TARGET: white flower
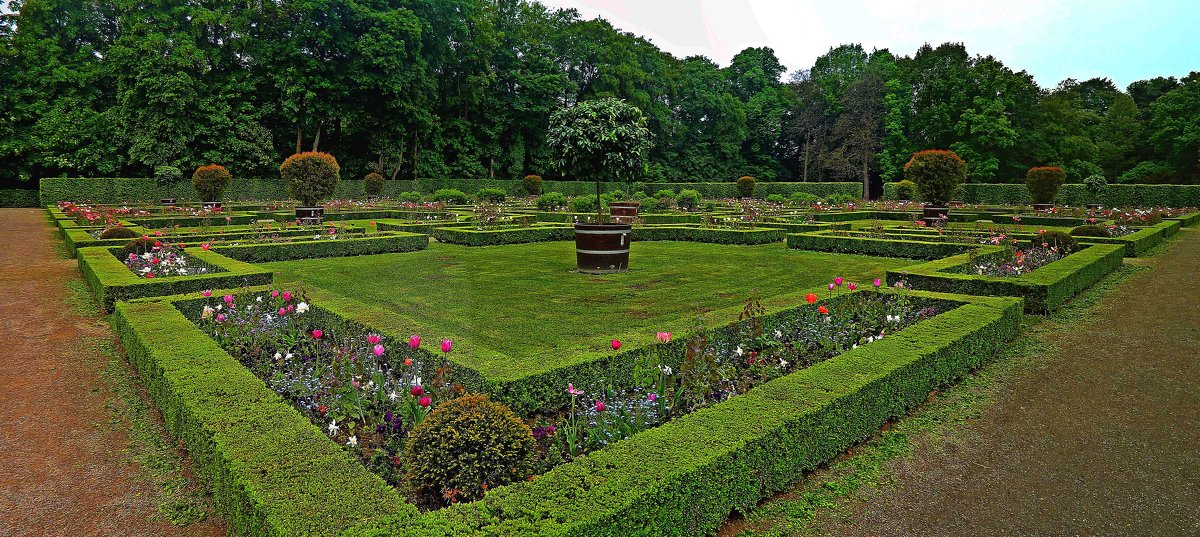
x,y
393,395
219,306
288,356
778,334
258,299
854,346
739,350
783,363
278,356
352,441
206,312
334,428
416,381
302,307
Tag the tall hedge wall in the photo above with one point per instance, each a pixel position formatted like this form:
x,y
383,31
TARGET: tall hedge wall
x,y
1077,195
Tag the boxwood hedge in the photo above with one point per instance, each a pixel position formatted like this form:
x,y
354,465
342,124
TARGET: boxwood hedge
x,y
110,280
393,242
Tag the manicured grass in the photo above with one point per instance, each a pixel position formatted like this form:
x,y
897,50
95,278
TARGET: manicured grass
x,y
519,309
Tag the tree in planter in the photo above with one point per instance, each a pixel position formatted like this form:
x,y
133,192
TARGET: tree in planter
x,y
1043,183
311,176
210,182
1096,185
937,173
533,185
373,184
745,185
599,140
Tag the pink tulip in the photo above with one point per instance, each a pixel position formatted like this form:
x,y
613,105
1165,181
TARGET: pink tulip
x,y
838,280
663,337
287,296
206,293
572,390
852,286
206,245
274,293
425,402
616,344
652,397
220,317
282,312
446,345
878,283
377,350
831,286
600,406
414,341
373,338
229,299
316,334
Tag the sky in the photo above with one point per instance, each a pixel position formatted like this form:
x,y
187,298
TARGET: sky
x,y
1052,40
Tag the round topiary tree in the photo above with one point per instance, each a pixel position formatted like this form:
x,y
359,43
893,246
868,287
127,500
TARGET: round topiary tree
x,y
465,447
599,140
119,232
1096,185
906,190
745,185
311,176
167,175
373,184
210,182
533,184
1043,183
937,174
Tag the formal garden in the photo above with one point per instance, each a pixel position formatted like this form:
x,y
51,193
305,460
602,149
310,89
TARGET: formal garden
x,y
361,356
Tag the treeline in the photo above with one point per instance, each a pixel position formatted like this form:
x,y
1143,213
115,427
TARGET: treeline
x,y
465,88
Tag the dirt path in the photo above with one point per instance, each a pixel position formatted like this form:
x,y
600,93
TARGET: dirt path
x,y
62,466
1102,440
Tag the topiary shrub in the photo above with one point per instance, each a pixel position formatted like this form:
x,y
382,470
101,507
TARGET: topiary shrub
x,y
490,195
450,196
1090,230
776,198
839,199
533,184
410,197
583,204
1043,182
688,199
137,246
906,190
937,174
1096,185
167,175
119,232
466,447
551,201
311,176
211,181
804,198
745,185
1057,239
373,184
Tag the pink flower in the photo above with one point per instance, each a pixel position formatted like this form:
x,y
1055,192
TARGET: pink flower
x,y
316,334
373,338
838,281
572,390
377,350
274,293
282,312
652,397
229,299
414,341
220,317
447,345
600,406
852,286
287,296
425,401
417,391
831,286
206,293
206,245
616,344
663,337
877,283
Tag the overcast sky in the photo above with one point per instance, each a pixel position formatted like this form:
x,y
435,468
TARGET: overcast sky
x,y
1052,40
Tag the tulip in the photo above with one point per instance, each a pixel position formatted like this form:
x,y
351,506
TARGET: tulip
x,y
287,296
373,339
417,391
811,298
572,390
408,362
282,312
414,341
838,281
616,344
663,337
158,244
425,402
446,345
831,287
877,283
206,245
377,350
229,299
852,286
652,397
274,293
823,310
316,334
206,293
600,406
220,317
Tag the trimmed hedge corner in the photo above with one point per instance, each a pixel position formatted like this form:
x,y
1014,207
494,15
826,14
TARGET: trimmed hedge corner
x,y
110,280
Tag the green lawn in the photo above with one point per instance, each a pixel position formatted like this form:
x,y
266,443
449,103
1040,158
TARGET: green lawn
x,y
519,309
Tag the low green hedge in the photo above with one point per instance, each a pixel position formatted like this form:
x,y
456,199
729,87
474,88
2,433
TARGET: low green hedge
x,y
393,242
849,244
1116,195
216,220
110,280
1045,289
1188,220
570,218
271,471
761,235
19,198
80,238
685,477
473,237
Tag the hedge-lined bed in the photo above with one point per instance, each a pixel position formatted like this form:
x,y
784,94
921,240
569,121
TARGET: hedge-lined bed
x,y
1136,243
1044,289
824,241
110,280
1077,195
467,236
392,242
82,238
760,235
1188,220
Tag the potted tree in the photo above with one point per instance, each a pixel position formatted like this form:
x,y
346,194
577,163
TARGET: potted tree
x,y
1043,183
600,140
165,176
1096,185
210,183
311,177
937,174
373,184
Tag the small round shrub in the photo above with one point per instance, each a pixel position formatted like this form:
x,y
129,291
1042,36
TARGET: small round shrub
x,y
745,185
906,190
211,181
533,184
937,174
311,176
490,195
450,196
137,246
665,193
649,204
1063,241
551,201
804,198
410,197
373,184
618,195
119,232
1090,230
688,199
1095,184
838,199
639,187
1043,182
167,175
466,447
584,204
776,198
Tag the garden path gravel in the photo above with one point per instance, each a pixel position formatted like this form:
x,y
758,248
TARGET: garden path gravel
x,y
62,466
1103,439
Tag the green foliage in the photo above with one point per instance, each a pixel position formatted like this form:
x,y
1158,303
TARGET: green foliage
x,y
584,204
688,199
322,248
1043,183
1056,239
465,447
599,140
664,193
210,181
490,195
1090,230
906,190
839,199
776,198
119,232
1147,172
551,201
137,246
1096,185
745,186
937,174
410,197
373,184
532,184
311,176
167,175
450,196
804,198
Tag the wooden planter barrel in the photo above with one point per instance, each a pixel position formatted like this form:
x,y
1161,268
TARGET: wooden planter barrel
x,y
623,212
1043,207
212,205
167,202
933,212
310,215
602,248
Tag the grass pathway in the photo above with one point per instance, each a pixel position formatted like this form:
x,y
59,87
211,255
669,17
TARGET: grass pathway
x,y
1090,426
80,452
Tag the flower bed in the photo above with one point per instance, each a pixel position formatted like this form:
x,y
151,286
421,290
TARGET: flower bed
x,y
110,280
164,260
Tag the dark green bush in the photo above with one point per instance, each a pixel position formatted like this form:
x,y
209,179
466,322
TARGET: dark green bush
x,y
490,195
776,198
1063,241
838,199
937,174
688,199
1096,185
532,184
311,176
167,175
373,184
804,198
450,196
665,193
584,204
410,197
906,190
1043,182
1090,230
1147,172
119,232
745,186
552,201
210,181
466,447
137,246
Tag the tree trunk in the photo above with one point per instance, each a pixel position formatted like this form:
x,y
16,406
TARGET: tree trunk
x,y
807,148
865,176
317,137
416,153
599,213
491,168
299,135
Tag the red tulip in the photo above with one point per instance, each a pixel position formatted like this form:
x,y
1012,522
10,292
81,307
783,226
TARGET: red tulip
x,y
417,391
600,406
408,362
852,286
316,334
446,345
823,310
414,341
425,402
206,293
811,298
616,344
373,339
